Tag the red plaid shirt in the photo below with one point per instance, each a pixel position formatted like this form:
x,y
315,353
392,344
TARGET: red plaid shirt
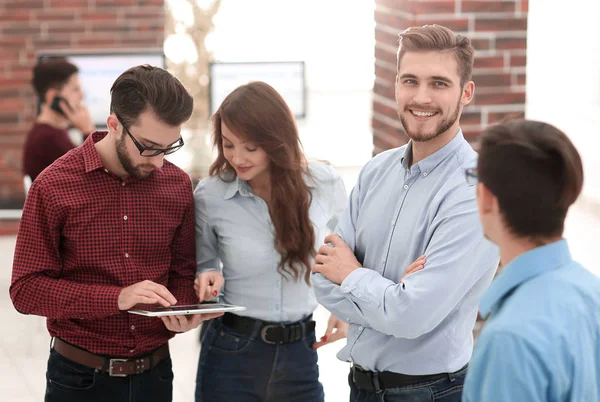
x,y
86,234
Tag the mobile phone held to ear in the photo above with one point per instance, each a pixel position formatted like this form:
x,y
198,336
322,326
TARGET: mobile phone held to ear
x,y
56,104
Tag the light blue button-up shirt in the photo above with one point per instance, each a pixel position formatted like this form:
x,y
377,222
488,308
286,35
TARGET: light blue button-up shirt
x,y
542,340
233,227
395,214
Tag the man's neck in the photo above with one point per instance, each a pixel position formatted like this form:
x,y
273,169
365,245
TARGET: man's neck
x,y
52,118
422,150
108,155
511,247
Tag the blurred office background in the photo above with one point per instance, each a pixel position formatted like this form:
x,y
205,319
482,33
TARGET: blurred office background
x,y
544,66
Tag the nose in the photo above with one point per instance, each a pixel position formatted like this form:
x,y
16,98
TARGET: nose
x,y
157,161
422,95
238,157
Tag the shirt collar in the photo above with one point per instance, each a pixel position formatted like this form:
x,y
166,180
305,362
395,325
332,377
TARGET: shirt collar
x,y
429,163
526,266
238,185
90,154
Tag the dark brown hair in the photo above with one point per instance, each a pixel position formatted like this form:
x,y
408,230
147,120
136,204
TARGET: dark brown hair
x,y
147,87
257,113
535,172
51,74
438,38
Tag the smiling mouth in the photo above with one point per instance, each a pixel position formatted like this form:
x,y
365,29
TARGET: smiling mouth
x,y
422,114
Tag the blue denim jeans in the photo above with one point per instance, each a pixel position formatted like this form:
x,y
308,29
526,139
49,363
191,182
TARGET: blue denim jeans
x,y
68,381
445,390
241,368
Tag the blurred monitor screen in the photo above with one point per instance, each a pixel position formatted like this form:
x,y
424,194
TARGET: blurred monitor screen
x,y
287,77
98,71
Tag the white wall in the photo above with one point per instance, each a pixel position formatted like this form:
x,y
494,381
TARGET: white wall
x,y
336,40
563,76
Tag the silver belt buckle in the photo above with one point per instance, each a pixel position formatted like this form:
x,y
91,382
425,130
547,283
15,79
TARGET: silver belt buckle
x,y
110,367
263,334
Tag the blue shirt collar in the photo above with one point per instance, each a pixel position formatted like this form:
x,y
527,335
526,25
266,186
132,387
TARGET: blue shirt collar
x,y
526,266
429,163
243,188
237,186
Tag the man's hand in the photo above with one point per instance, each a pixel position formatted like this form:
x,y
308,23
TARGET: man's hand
x,y
146,292
208,284
336,329
183,323
337,262
79,116
417,265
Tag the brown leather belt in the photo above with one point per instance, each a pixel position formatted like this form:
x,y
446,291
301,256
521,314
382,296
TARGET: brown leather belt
x,y
114,367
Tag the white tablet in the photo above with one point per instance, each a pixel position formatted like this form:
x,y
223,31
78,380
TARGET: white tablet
x,y
204,308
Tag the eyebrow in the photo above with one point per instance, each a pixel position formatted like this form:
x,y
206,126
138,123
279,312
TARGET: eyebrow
x,y
433,77
243,142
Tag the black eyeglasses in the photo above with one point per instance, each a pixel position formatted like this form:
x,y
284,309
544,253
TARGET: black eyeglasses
x,y
471,175
149,151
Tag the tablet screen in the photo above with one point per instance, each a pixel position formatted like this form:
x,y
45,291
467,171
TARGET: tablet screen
x,y
204,308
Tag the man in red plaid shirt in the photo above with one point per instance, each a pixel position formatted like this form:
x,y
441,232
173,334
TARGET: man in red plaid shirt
x,y
105,227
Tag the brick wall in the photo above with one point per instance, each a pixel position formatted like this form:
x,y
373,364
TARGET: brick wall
x,y
29,26
498,30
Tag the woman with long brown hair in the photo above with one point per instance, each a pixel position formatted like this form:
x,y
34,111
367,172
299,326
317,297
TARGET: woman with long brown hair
x,y
259,218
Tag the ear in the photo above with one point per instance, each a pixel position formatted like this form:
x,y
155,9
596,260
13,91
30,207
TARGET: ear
x,y
49,96
467,93
113,124
486,200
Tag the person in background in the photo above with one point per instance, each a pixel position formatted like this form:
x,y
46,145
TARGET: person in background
x,y
410,336
541,341
106,227
260,215
57,85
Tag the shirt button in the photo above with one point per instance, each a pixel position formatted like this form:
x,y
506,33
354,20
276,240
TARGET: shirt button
x,y
133,327
360,328
277,283
132,350
393,223
126,255
123,184
348,319
105,170
359,295
125,218
406,186
424,174
383,260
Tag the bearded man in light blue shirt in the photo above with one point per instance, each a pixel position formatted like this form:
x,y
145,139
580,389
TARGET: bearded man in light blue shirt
x,y
542,338
410,336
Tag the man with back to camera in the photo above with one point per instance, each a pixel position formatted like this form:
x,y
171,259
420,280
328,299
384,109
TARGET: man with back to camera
x,y
542,338
56,83
107,226
412,341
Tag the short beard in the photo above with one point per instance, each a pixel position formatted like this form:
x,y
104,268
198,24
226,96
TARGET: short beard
x,y
443,126
126,161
